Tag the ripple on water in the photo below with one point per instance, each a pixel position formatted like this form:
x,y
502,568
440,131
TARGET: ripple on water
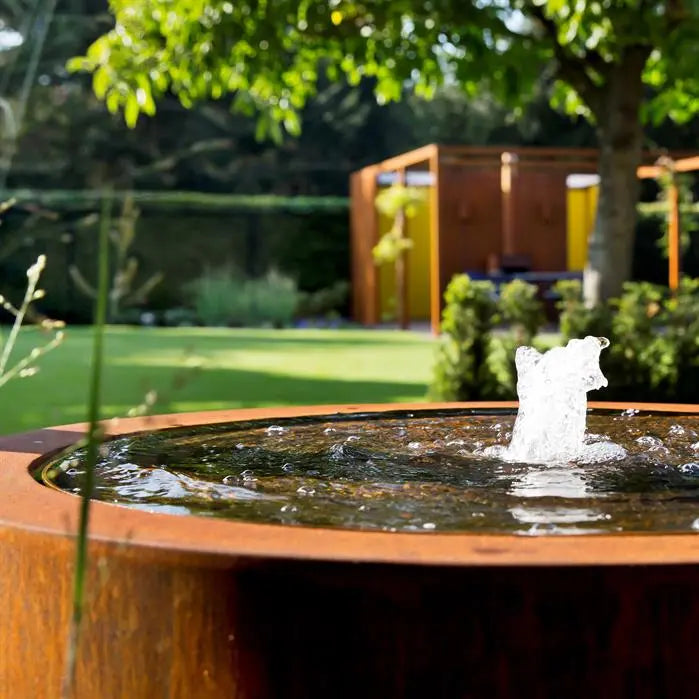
x,y
436,472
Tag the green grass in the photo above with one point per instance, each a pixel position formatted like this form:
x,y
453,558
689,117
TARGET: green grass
x,y
236,368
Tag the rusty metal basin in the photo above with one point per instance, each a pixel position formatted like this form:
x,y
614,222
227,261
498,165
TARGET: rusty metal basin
x,y
195,607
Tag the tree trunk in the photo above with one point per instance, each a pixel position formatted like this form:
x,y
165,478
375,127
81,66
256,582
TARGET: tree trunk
x,y
620,140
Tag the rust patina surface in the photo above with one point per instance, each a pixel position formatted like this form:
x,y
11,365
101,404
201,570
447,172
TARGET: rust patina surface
x,y
195,607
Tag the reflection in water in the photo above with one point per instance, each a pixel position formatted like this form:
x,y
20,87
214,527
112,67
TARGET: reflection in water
x,y
550,481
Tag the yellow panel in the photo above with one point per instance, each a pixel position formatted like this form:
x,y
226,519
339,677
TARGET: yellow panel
x,y
582,206
387,279
418,230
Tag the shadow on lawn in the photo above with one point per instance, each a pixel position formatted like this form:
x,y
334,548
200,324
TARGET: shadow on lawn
x,y
249,387
252,340
212,388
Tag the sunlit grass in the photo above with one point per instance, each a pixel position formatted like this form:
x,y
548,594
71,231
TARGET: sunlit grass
x,y
215,368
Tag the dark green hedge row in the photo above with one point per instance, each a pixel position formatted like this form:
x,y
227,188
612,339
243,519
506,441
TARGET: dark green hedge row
x,y
75,200
312,247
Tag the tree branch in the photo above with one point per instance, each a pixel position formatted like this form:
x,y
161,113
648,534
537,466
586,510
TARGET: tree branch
x,y
572,68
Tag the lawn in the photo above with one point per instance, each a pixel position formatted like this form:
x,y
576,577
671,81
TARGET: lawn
x,y
213,368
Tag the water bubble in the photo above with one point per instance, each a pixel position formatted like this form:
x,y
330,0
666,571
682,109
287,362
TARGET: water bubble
x,y
275,429
306,490
695,524
230,479
413,445
248,476
362,508
352,438
328,430
649,441
240,446
429,525
677,429
695,447
74,472
630,412
691,468
289,508
288,467
542,528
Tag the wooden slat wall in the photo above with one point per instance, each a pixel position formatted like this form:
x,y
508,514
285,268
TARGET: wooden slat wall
x,y
364,235
467,211
540,221
470,220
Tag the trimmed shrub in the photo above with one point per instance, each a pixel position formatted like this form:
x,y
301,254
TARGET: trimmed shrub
x,y
461,371
654,335
223,297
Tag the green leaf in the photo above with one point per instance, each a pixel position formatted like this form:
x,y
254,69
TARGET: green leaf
x,y
131,111
100,82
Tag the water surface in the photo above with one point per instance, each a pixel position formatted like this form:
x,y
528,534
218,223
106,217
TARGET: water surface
x,y
423,471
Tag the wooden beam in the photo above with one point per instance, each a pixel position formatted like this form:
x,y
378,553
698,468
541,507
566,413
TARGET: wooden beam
x,y
682,165
435,277
687,164
673,237
508,174
673,214
402,282
647,172
405,160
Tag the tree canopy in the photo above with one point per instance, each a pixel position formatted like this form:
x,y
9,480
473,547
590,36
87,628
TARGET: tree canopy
x,y
616,62
269,55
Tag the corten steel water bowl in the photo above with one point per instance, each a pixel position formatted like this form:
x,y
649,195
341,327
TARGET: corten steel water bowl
x,y
182,606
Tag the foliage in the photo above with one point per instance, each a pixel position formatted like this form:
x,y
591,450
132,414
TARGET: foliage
x,y
461,371
473,362
223,297
178,317
613,63
26,366
682,333
326,301
122,292
268,54
217,297
689,220
521,310
398,203
575,318
273,299
311,247
94,438
654,352
638,346
654,335
180,201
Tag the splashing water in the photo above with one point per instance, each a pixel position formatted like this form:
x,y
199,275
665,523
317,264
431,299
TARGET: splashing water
x,y
552,389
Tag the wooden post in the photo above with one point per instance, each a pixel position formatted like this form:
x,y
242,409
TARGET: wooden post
x,y
507,174
435,252
673,235
402,300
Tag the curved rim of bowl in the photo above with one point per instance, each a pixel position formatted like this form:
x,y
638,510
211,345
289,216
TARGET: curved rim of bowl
x,y
29,506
